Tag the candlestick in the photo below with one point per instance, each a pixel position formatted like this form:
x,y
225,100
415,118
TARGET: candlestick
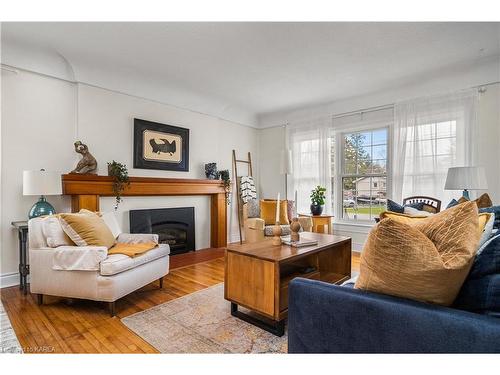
x,y
276,234
278,209
296,205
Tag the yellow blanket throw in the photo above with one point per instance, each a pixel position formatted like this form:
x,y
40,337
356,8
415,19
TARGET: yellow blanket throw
x,y
132,249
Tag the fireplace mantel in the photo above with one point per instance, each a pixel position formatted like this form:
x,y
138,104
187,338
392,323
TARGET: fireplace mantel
x,y
85,191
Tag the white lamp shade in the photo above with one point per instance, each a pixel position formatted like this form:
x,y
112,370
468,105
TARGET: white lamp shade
x,y
41,183
466,178
286,162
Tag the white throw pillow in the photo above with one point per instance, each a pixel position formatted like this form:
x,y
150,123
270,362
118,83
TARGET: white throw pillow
x,y
414,212
110,220
53,232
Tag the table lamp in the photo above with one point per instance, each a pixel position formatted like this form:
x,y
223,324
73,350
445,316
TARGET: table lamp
x,y
466,178
41,183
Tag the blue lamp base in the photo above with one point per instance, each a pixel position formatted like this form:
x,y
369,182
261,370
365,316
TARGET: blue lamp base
x,y
41,208
465,194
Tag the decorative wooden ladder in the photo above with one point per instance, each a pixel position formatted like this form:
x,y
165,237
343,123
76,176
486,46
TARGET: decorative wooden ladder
x,y
238,192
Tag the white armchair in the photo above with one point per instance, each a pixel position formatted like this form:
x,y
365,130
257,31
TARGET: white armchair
x,y
87,272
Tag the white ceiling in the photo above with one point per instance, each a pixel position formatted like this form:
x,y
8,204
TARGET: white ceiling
x,y
265,67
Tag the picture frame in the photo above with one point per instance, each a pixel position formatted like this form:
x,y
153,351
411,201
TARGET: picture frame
x,y
160,146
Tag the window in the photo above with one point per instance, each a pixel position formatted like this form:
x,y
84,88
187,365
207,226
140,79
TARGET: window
x,y
363,173
430,151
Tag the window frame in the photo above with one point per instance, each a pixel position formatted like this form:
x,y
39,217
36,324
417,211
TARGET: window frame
x,y
340,168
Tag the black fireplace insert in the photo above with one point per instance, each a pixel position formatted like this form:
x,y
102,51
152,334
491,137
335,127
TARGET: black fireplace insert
x,y
174,226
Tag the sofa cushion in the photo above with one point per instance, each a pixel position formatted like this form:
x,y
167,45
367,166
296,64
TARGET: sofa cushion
x,y
87,229
117,263
426,260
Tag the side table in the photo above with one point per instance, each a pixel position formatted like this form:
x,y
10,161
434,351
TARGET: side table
x,y
319,223
24,268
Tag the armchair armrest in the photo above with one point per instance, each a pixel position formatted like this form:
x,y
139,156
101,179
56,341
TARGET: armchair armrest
x,y
255,223
325,318
77,258
137,238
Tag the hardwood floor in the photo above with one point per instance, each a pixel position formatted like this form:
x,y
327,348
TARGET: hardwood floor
x,y
79,326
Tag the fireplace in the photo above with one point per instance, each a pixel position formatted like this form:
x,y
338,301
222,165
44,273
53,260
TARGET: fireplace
x,y
174,226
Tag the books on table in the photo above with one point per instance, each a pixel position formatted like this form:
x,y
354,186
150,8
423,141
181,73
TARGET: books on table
x,y
301,243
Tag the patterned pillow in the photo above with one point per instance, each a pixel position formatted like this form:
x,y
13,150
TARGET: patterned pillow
x,y
396,207
253,208
438,252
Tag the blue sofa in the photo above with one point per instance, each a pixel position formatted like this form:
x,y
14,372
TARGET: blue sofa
x,y
326,318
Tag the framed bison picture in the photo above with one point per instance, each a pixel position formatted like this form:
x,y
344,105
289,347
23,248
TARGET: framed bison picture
x,y
160,146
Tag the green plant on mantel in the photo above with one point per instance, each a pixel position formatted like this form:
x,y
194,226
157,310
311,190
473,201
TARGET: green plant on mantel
x,y
224,176
119,172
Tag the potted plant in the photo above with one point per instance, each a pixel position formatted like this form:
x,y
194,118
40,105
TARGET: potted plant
x,y
317,200
224,176
119,173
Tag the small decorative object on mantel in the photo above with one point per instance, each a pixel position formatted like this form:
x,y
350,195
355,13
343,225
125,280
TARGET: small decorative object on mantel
x,y
119,172
160,146
88,164
317,200
295,228
211,171
224,176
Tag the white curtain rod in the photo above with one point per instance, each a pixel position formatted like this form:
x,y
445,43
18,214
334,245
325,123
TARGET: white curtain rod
x,y
481,89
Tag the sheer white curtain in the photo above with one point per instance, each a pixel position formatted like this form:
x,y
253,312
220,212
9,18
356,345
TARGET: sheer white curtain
x,y
429,136
311,143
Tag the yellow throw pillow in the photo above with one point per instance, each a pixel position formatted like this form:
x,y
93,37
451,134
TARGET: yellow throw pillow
x,y
425,259
483,201
87,229
268,212
407,219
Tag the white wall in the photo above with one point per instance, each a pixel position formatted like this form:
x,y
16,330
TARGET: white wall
x,y
43,116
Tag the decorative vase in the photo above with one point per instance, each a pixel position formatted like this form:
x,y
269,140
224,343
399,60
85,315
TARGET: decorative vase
x,y
211,171
317,209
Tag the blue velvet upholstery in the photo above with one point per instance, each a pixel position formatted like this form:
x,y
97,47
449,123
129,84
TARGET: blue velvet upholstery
x,y
326,318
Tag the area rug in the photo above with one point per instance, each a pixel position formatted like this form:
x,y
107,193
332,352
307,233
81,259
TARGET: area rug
x,y
201,322
8,339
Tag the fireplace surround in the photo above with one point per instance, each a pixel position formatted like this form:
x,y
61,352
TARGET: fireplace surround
x,y
174,226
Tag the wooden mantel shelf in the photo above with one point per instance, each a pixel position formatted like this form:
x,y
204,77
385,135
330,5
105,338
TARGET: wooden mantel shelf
x,y
85,191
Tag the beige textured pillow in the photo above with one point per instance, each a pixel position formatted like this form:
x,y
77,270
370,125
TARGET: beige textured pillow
x,y
86,229
53,232
426,260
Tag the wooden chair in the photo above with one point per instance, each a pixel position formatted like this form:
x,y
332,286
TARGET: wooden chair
x,y
433,202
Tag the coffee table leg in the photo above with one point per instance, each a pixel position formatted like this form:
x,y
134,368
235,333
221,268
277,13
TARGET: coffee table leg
x,y
277,328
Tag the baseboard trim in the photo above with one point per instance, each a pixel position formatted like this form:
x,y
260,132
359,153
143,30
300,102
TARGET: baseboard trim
x,y
9,279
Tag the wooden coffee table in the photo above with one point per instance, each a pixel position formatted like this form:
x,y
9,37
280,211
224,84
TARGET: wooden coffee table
x,y
257,275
